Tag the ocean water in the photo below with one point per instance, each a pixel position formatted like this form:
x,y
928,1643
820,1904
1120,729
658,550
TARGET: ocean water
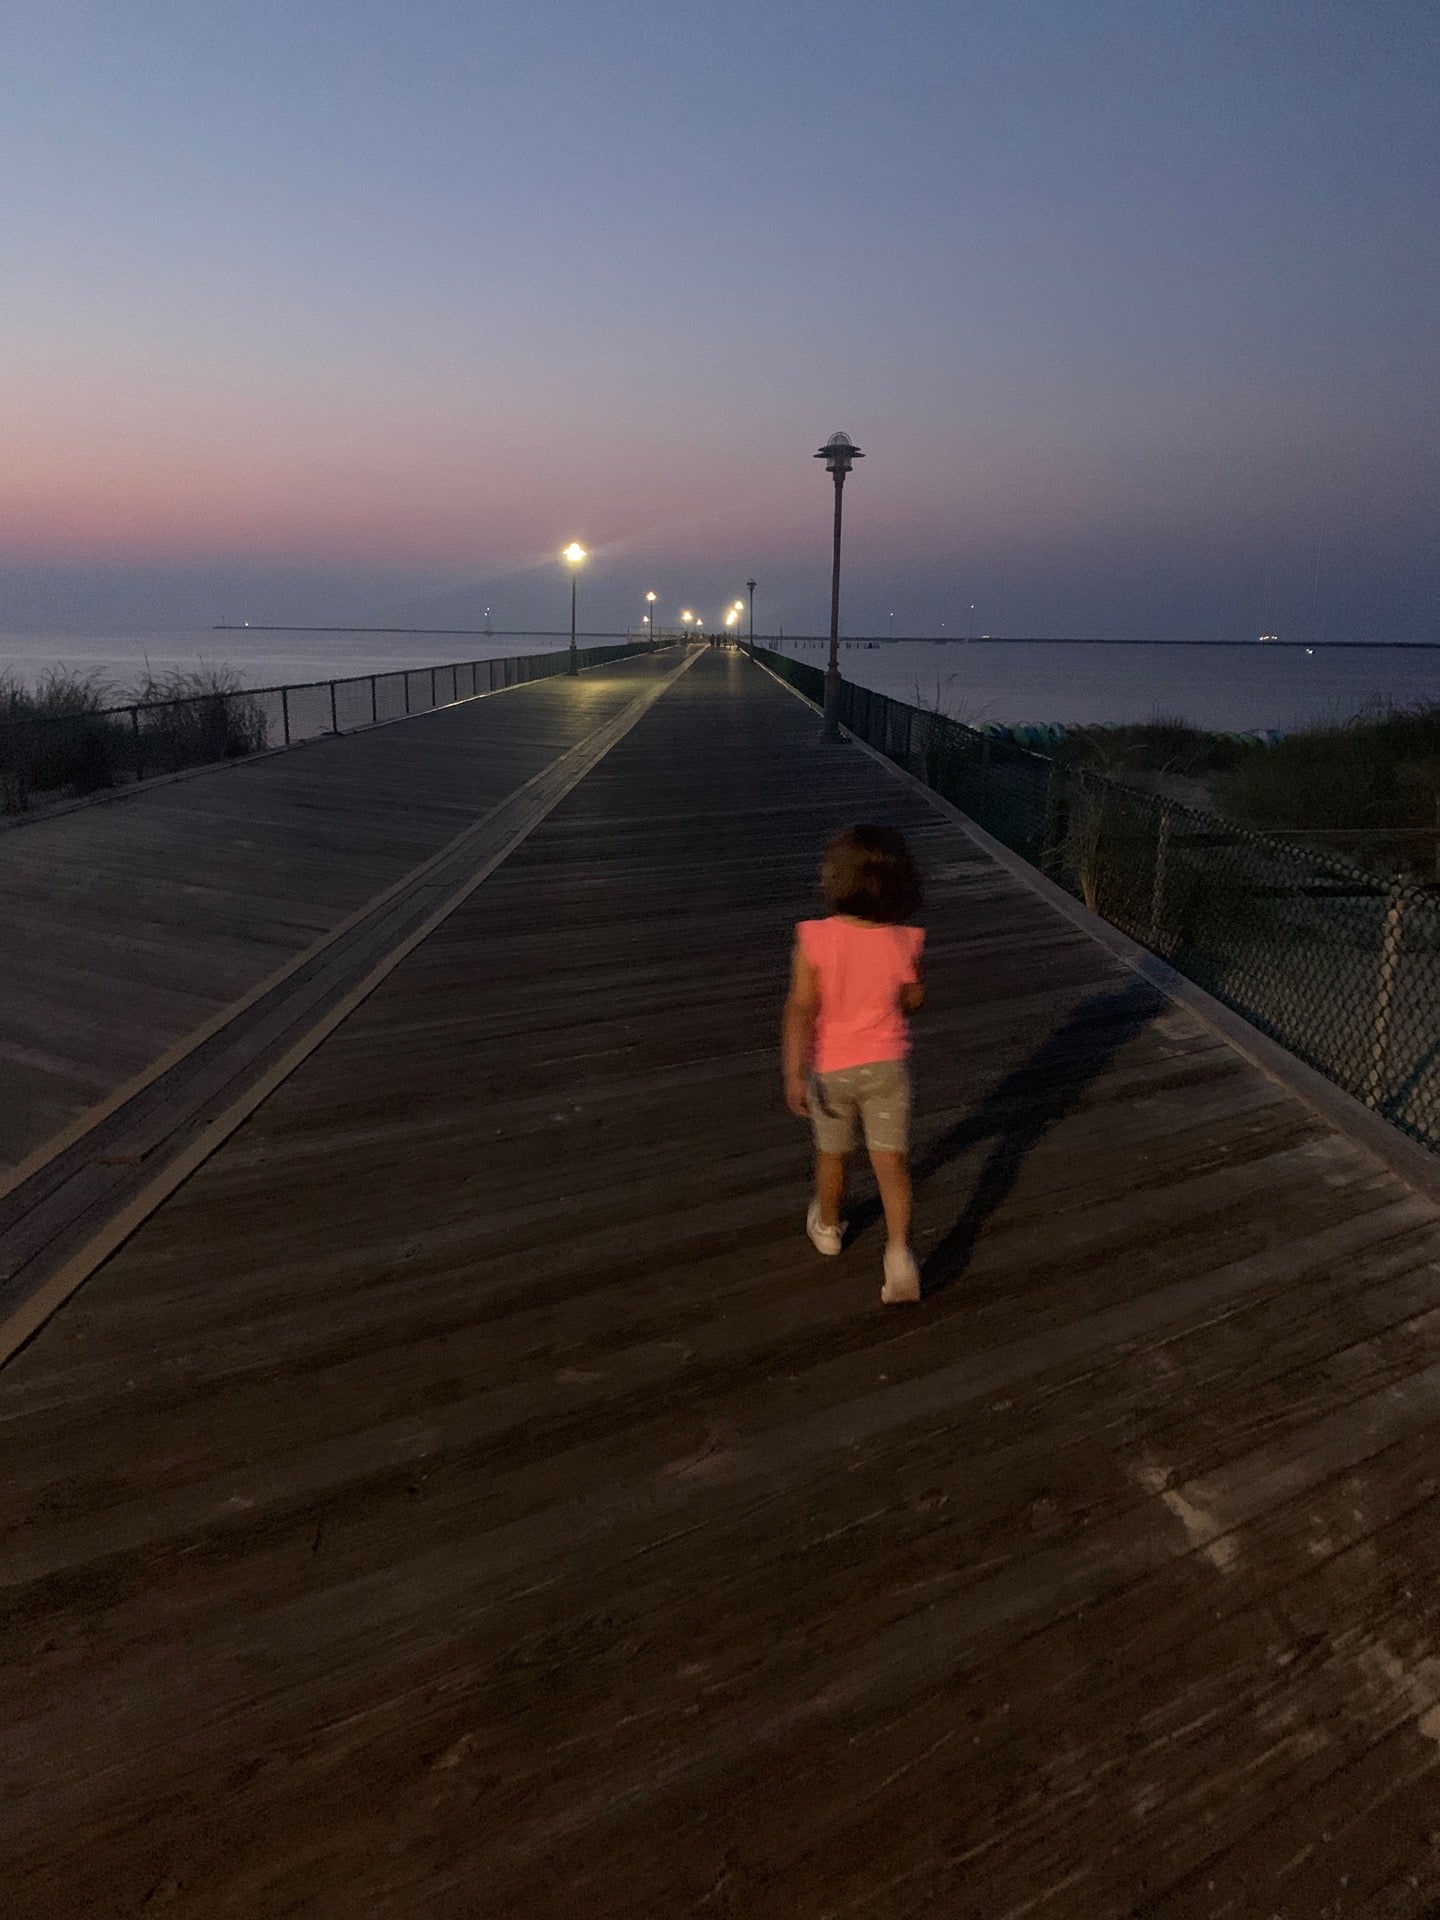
x,y
1230,689
258,659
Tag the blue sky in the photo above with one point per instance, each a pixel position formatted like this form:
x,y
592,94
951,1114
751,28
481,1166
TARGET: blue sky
x,y
361,311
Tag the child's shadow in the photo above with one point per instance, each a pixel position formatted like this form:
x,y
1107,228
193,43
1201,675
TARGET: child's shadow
x,y
1018,1113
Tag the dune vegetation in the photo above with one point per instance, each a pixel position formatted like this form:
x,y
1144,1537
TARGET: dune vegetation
x,y
1367,787
75,733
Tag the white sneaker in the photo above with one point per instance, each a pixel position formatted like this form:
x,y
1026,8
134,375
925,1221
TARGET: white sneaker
x,y
902,1278
823,1239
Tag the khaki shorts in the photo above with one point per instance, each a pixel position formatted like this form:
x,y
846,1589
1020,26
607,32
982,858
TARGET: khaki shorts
x,y
879,1093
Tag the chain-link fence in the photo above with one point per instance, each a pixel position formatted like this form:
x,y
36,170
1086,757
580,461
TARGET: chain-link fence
x,y
1337,962
51,757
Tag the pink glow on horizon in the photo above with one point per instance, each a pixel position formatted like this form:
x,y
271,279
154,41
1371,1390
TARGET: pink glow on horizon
x,y
373,479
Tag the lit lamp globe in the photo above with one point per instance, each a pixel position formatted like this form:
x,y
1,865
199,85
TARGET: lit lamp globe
x,y
574,557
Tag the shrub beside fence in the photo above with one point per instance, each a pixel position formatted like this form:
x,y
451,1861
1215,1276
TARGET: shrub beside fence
x,y
1339,964
50,757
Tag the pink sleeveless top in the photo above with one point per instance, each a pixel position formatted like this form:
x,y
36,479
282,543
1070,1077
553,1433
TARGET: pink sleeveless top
x,y
861,971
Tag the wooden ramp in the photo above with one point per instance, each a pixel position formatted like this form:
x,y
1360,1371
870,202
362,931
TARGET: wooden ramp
x,y
129,923
470,1494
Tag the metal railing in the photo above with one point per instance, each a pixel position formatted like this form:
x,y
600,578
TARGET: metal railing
x,y
46,758
1338,963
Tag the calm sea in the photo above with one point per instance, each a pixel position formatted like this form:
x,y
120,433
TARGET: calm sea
x,y
259,659
1228,688
1224,687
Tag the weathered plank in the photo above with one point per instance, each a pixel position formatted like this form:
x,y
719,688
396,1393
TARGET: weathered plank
x,y
67,1208
470,1494
125,926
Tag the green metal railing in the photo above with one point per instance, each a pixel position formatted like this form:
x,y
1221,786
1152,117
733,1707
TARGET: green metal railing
x,y
1337,963
55,757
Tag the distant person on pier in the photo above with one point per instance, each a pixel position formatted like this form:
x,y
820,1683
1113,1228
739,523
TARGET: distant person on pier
x,y
854,981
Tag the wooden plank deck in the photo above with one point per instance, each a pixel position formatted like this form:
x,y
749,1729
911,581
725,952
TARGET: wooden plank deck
x,y
470,1495
128,924
67,1207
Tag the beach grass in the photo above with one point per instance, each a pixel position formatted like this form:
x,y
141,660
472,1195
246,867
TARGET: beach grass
x,y
1379,769
74,733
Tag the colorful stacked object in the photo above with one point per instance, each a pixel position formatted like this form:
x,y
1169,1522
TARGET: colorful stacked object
x,y
1041,734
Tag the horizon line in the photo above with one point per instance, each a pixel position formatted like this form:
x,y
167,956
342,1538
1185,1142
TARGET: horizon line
x,y
845,640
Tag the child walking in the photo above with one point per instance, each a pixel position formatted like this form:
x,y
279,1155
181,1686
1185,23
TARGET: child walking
x,y
854,980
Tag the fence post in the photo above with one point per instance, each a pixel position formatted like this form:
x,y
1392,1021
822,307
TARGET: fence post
x,y
1389,968
1157,891
405,676
1053,834
1086,832
285,712
374,703
434,700
334,713
139,751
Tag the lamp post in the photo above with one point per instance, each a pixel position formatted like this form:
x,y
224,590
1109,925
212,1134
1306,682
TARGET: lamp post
x,y
751,585
650,616
574,558
838,452
687,619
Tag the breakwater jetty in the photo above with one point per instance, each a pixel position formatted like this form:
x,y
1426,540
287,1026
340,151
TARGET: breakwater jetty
x,y
441,1477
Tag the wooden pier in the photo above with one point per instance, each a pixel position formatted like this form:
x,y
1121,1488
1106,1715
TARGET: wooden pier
x,y
468,1494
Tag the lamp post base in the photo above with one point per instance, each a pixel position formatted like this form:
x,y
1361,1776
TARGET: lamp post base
x,y
831,728
574,662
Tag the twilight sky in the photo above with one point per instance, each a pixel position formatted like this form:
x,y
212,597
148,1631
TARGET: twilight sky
x,y
343,310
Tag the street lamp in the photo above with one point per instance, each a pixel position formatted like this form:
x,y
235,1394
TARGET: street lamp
x,y
574,557
650,616
838,452
751,585
733,614
687,620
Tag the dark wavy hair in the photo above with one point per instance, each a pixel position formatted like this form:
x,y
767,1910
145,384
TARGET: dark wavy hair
x,y
869,872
